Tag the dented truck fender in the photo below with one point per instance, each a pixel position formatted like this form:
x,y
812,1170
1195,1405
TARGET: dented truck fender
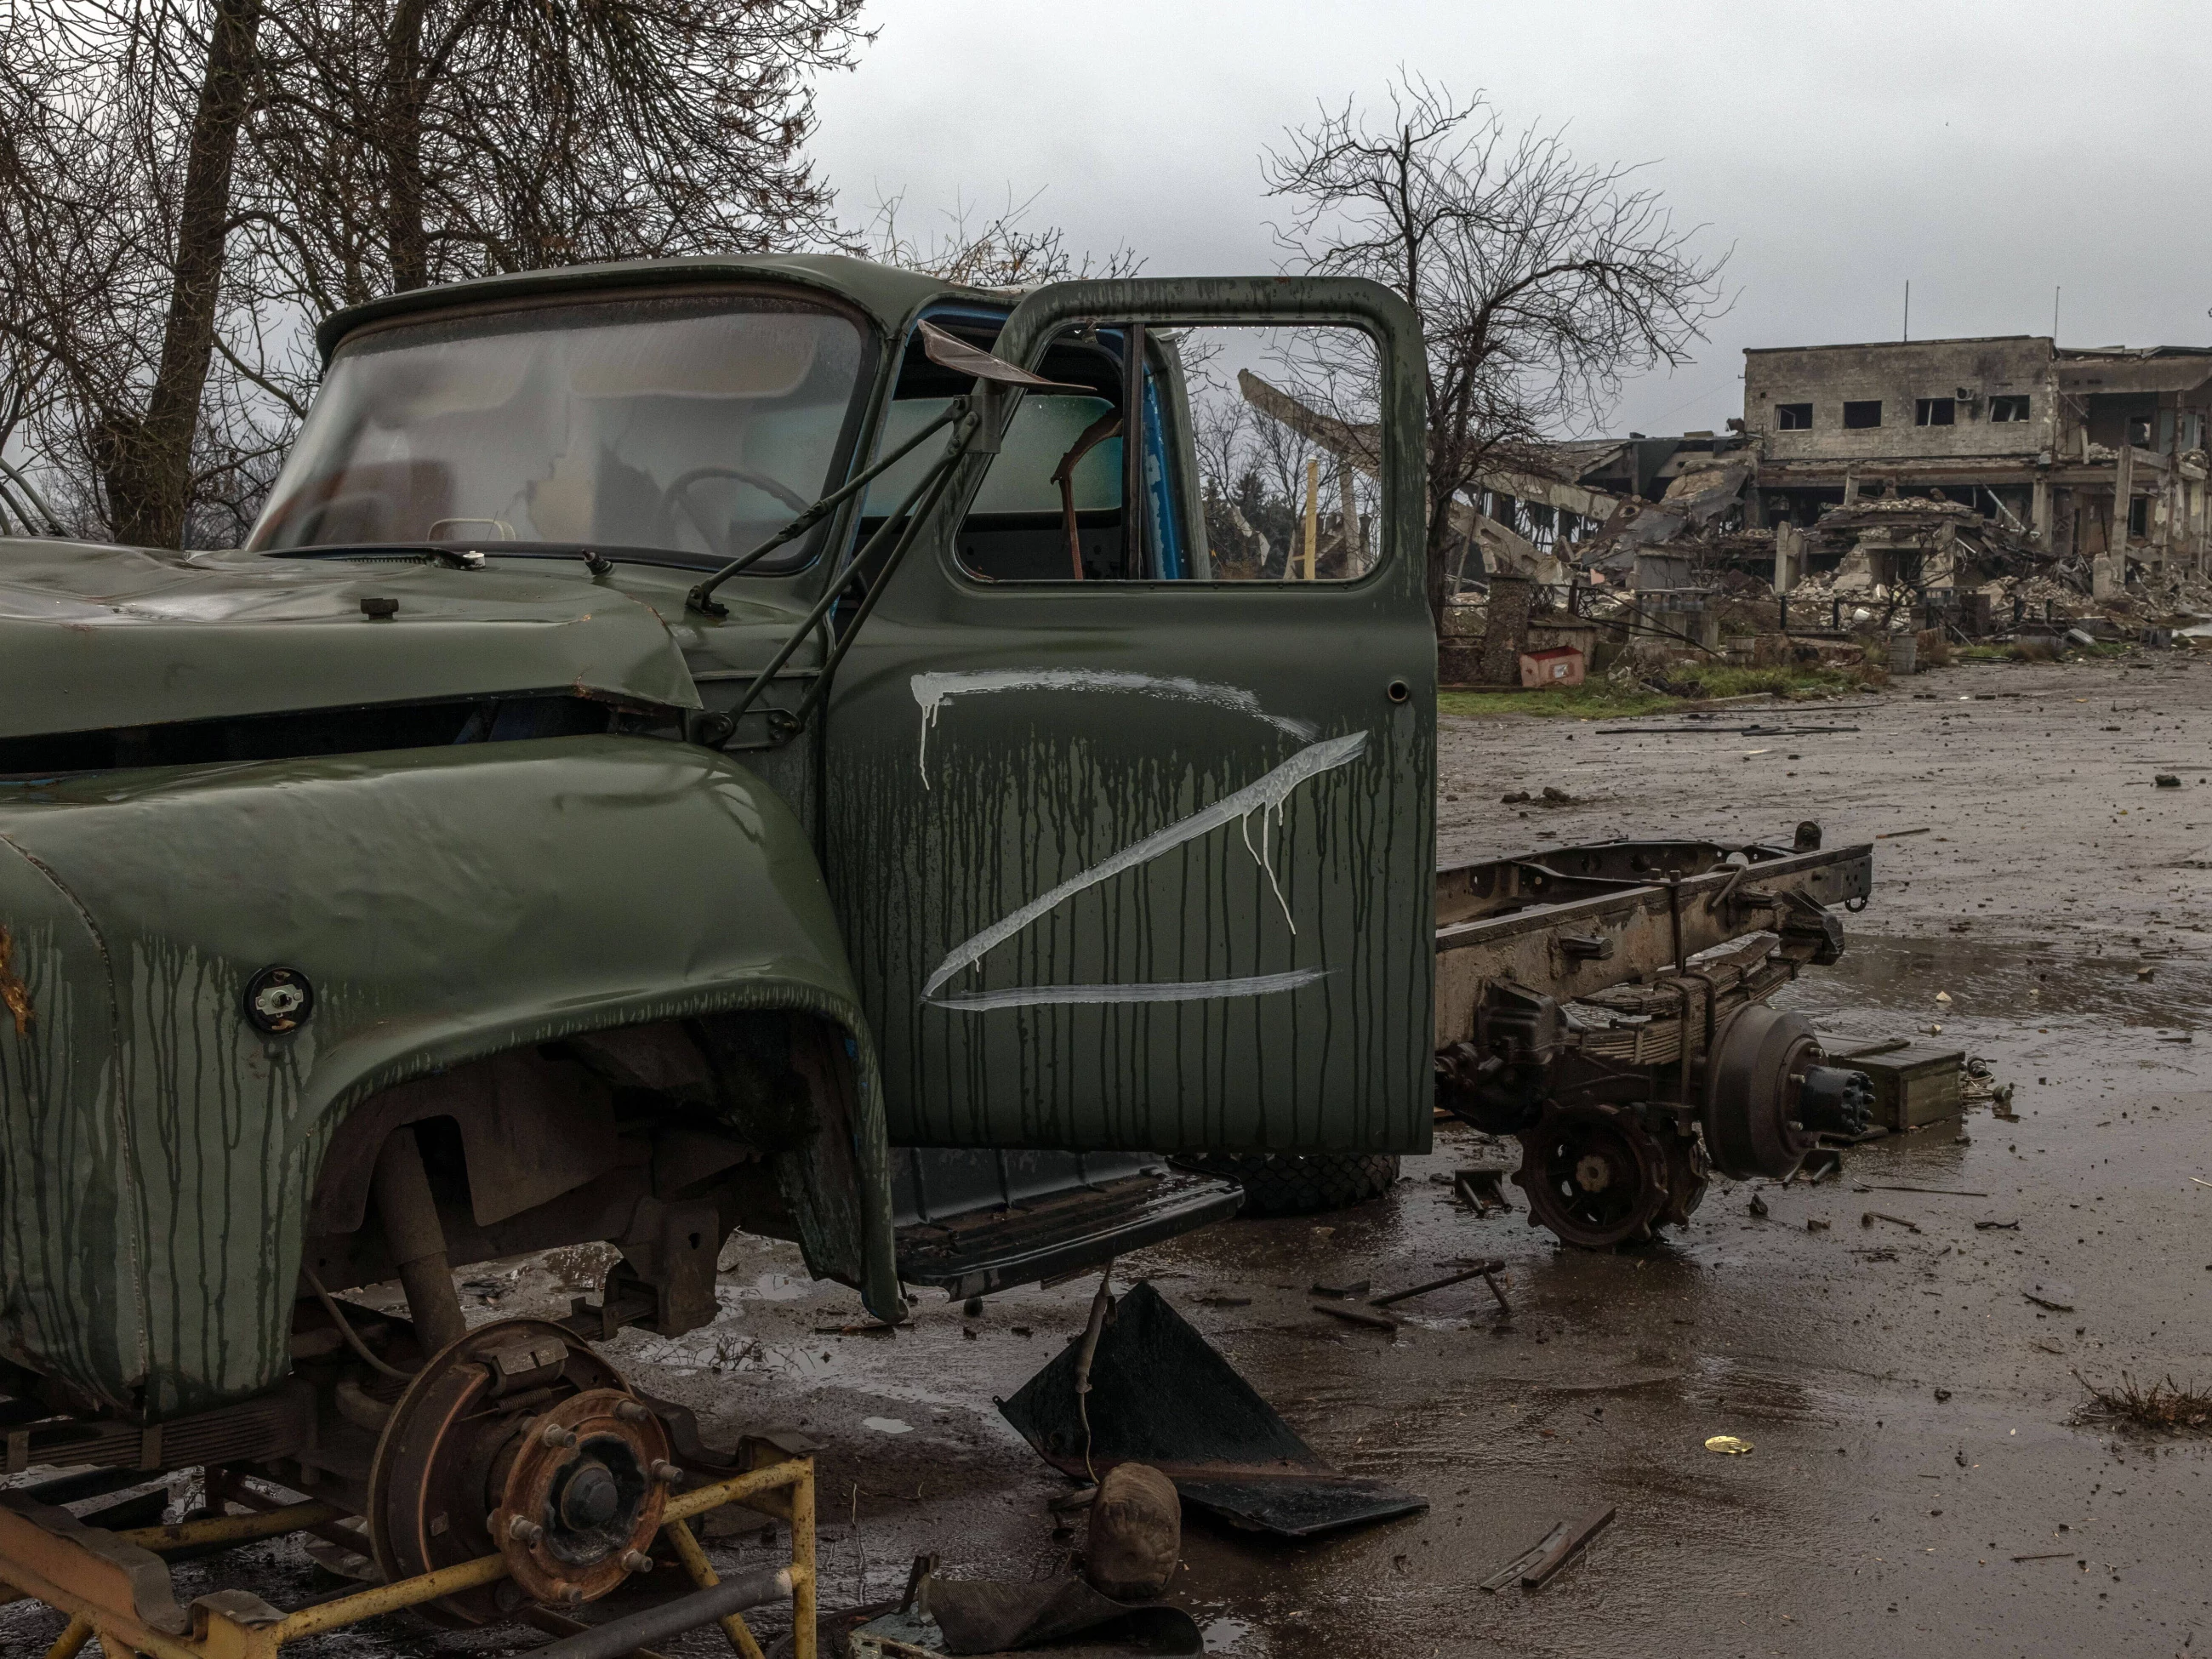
x,y
159,1151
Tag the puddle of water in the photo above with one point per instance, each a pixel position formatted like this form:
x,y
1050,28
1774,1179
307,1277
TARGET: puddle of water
x,y
2009,981
1226,1635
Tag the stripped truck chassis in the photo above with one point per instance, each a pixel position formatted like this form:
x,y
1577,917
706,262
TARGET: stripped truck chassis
x,y
115,1584
1607,1004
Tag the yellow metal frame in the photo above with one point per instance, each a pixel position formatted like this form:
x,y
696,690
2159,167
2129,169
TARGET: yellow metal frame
x,y
95,1592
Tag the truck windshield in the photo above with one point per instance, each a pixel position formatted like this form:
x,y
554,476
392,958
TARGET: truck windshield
x,y
693,427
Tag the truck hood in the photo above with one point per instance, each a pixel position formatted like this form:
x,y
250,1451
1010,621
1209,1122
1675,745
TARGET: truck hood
x,y
96,637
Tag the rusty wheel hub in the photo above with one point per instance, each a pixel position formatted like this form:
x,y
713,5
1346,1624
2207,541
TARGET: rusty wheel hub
x,y
583,1495
1594,1175
517,1438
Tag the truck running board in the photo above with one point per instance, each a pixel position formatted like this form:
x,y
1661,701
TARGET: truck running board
x,y
973,1222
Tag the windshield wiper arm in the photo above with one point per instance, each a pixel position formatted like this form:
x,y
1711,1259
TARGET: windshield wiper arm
x,y
702,599
907,518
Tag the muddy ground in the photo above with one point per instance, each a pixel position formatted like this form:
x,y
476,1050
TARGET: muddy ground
x,y
1914,1415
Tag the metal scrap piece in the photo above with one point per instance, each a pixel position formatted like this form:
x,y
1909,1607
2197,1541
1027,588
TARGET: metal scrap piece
x,y
1534,1566
1161,1395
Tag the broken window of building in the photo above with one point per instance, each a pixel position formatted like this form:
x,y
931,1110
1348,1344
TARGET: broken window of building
x,y
1793,418
2139,516
2139,431
1935,411
1863,414
2008,409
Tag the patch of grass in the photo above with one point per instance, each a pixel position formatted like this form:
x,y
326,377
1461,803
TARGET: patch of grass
x,y
1689,683
1594,700
2162,1408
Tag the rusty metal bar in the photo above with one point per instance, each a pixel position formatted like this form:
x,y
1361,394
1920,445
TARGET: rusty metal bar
x,y
703,1575
233,1528
408,1215
70,1642
386,1598
619,1637
803,1614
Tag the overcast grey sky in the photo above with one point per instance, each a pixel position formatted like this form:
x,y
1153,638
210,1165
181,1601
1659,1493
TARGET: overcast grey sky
x,y
1988,152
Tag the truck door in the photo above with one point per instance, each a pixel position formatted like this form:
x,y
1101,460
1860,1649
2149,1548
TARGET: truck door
x,y
1129,783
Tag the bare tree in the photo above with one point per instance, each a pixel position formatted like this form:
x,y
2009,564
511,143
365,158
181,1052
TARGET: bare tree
x,y
1539,281
119,122
186,184
1003,251
410,142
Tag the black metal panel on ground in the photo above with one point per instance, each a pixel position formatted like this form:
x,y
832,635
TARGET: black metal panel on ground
x,y
1160,1395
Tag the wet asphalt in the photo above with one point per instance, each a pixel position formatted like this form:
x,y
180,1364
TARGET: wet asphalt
x,y
1915,1417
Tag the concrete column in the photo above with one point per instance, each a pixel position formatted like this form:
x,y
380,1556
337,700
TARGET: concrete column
x,y
2123,490
2039,513
1785,556
1507,637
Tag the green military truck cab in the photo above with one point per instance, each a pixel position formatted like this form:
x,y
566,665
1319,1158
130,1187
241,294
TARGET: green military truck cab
x,y
475,862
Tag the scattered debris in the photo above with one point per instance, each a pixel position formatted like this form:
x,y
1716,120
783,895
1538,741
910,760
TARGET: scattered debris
x,y
2166,781
887,1424
2046,1302
2162,1406
1815,1224
1759,1206
1133,1540
1161,1395
1899,835
2000,1226
1538,1563
1481,1270
984,1617
1728,1445
1352,1313
1873,1216
1348,1287
1484,1189
1933,1192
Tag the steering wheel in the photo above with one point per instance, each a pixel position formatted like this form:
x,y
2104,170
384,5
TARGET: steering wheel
x,y
677,495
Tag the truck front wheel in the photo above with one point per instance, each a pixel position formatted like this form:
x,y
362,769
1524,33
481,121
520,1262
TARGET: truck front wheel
x,y
1282,1183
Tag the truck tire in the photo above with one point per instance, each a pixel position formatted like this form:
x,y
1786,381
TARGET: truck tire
x,y
1281,1184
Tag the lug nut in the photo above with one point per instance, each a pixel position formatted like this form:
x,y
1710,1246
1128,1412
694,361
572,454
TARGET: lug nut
x,y
555,1435
667,1473
630,1411
573,1595
637,1561
524,1530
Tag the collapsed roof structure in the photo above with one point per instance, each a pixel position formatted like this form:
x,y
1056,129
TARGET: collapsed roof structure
x,y
1934,464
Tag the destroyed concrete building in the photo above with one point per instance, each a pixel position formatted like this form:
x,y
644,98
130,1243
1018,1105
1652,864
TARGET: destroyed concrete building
x,y
1943,460
2097,454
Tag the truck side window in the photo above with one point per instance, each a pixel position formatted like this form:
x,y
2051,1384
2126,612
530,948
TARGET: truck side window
x,y
1256,466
